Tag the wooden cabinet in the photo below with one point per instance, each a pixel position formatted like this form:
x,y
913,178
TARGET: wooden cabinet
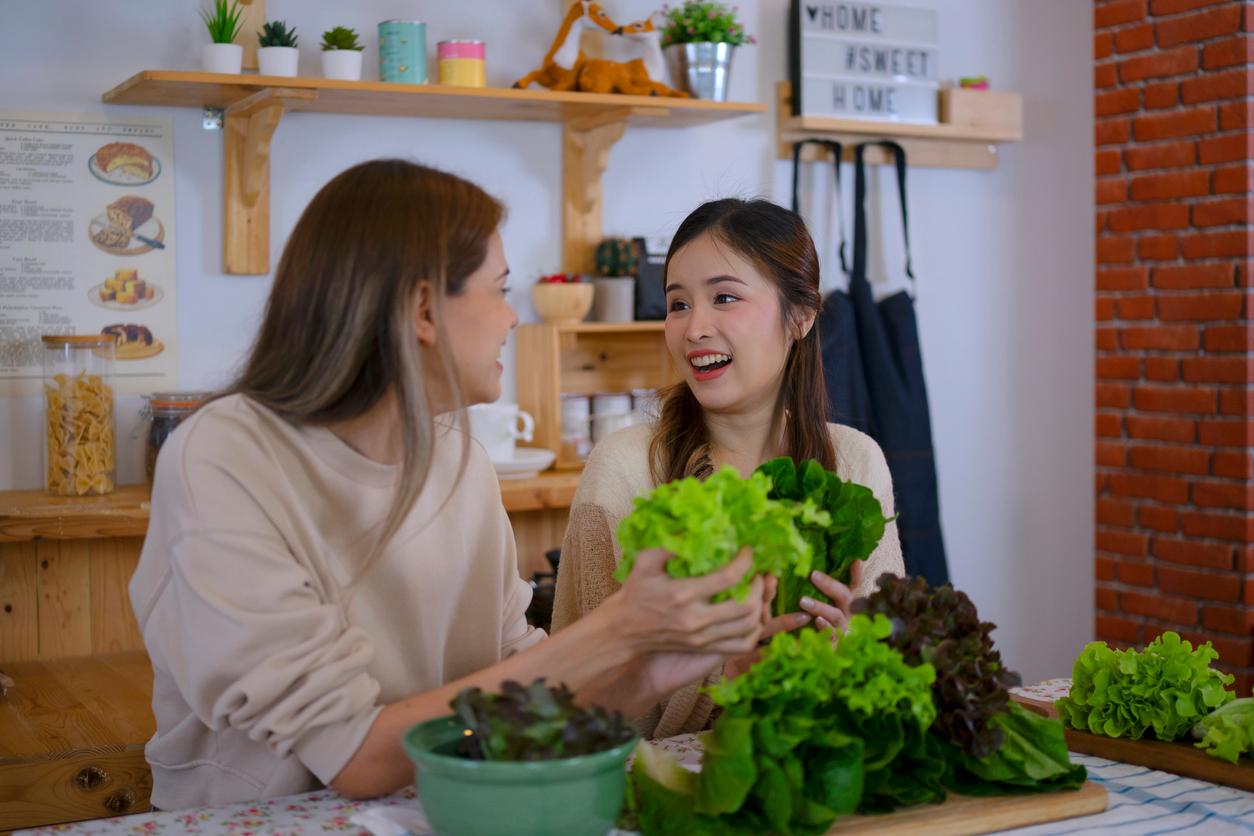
x,y
584,358
72,735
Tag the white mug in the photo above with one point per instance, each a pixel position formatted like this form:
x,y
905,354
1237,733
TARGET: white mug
x,y
497,426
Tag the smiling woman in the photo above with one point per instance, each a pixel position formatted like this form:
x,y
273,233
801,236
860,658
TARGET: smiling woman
x,y
742,297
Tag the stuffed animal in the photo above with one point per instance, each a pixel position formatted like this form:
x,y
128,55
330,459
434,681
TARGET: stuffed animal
x,y
561,65
635,77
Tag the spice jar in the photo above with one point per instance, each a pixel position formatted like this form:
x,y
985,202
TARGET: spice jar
x,y
462,63
79,432
163,412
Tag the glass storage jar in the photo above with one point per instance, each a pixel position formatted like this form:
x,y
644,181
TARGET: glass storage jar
x,y
79,432
163,412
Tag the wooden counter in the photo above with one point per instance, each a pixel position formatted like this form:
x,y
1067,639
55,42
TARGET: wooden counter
x,y
72,734
65,562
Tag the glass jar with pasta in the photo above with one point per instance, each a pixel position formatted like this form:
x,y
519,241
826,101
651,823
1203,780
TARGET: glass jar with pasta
x,y
79,432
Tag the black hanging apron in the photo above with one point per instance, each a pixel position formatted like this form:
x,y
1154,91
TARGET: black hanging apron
x,y
848,401
876,364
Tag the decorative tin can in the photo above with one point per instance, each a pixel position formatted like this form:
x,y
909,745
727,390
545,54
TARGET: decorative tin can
x,y
462,63
403,51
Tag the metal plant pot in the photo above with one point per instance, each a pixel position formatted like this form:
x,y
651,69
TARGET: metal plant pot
x,y
702,69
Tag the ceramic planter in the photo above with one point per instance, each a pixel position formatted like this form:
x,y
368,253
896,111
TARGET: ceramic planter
x,y
278,60
222,58
342,64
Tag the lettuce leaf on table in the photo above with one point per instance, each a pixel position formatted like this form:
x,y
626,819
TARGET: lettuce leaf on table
x,y
1168,687
705,523
1228,732
853,528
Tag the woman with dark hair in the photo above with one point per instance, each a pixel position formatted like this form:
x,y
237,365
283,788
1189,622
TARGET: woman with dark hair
x,y
328,560
742,297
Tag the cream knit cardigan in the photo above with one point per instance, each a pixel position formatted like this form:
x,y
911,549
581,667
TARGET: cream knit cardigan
x,y
616,473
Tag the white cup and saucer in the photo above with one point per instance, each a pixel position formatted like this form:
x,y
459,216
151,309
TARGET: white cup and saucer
x,y
499,427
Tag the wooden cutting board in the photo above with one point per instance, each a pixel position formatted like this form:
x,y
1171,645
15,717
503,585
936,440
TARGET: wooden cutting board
x,y
1182,758
962,815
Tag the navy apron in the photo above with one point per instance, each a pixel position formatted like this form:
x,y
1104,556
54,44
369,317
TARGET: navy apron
x,y
877,366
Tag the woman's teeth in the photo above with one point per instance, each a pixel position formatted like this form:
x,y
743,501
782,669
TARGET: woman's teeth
x,y
706,360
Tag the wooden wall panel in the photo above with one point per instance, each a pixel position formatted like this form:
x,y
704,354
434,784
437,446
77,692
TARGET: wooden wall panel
x,y
113,625
19,603
64,583
536,532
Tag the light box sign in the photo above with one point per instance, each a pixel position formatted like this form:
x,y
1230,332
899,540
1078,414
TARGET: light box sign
x,y
864,61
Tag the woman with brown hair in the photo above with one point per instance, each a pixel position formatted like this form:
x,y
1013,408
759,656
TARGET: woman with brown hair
x,y
328,560
742,297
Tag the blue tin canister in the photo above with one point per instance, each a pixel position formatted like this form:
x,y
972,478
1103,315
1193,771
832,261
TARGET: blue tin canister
x,y
403,51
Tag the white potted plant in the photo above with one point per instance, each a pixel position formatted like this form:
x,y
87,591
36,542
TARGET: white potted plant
x,y
615,297
699,39
223,23
341,54
277,54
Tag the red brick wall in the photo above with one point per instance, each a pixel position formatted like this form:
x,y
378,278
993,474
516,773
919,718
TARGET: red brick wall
x,y
1175,500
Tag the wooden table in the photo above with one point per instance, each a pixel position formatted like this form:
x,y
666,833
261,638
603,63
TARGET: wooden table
x,y
65,562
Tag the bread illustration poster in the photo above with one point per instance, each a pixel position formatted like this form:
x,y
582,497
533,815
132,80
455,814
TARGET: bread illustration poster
x,y
87,243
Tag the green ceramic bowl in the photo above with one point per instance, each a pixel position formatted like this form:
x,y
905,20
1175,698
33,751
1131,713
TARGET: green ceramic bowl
x,y
568,797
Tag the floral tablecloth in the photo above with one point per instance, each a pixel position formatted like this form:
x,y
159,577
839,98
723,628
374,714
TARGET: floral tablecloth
x,y
1142,801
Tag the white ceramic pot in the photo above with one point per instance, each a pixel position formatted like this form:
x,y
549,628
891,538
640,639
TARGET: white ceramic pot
x,y
222,58
342,64
615,299
278,60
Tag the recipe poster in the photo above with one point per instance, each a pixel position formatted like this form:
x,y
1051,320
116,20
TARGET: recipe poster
x,y
87,243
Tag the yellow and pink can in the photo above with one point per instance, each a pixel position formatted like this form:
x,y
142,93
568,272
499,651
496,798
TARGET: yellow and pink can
x,y
462,63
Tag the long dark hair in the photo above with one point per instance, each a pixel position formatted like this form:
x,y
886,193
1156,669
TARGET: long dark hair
x,y
776,241
338,332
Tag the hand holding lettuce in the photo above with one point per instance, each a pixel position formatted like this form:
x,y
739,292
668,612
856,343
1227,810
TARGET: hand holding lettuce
x,y
796,520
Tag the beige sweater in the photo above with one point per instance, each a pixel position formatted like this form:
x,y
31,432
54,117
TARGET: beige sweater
x,y
267,672
617,472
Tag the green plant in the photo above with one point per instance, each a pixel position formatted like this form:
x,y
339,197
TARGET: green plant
x,y
854,528
224,21
703,22
705,523
534,723
341,37
1228,732
1168,687
276,33
941,626
616,257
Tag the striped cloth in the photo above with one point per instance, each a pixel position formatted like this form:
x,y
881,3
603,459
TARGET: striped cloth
x,y
1147,802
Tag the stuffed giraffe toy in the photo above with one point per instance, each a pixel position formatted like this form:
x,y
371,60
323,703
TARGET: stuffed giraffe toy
x,y
561,65
635,77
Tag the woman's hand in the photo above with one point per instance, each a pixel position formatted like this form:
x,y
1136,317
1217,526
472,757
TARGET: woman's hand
x,y
654,612
770,626
835,614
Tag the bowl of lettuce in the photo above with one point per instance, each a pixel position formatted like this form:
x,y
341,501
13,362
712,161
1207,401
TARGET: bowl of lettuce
x,y
525,761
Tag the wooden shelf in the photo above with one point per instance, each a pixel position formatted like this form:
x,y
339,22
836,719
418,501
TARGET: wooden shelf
x,y
585,358
172,88
950,144
33,515
254,105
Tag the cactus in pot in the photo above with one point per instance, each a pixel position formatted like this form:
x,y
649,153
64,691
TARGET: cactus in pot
x,y
277,54
341,54
616,257
616,260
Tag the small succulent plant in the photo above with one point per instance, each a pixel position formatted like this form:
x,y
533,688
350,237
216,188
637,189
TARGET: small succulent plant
x,y
617,257
341,37
276,33
223,21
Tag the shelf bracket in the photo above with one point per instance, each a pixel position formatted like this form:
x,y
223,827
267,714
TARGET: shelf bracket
x,y
586,144
250,124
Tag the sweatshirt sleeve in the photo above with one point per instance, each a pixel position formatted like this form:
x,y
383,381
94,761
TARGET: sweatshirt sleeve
x,y
887,557
251,641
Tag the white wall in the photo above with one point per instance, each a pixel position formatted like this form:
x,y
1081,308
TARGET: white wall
x,y
1004,258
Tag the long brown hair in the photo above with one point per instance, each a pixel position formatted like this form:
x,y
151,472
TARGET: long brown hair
x,y
338,331
775,241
